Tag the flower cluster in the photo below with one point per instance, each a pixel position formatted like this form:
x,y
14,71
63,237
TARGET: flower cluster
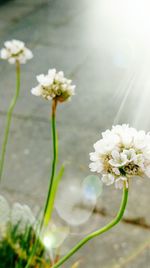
x,y
122,153
17,214
54,86
15,51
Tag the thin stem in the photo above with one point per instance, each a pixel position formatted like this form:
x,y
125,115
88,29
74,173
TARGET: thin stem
x,y
98,232
9,118
47,210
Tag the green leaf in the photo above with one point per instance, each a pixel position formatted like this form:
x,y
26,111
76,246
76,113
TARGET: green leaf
x,y
53,194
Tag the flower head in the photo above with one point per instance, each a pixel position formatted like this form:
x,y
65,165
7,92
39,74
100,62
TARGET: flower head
x,y
122,153
17,214
14,51
54,86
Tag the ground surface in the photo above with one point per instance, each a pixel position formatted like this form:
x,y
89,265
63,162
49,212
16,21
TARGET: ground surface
x,y
96,48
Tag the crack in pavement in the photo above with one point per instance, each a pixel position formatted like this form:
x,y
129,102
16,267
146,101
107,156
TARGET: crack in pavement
x,y
138,221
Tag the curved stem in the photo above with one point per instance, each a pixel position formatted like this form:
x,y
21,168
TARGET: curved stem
x,y
98,232
9,117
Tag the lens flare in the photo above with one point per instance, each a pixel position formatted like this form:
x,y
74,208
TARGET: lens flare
x,y
72,205
92,187
53,236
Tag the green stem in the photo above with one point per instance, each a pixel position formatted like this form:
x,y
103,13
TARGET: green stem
x,y
9,117
47,210
98,232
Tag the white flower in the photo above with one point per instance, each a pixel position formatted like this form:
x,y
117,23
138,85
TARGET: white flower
x,y
15,51
17,214
122,153
22,215
54,86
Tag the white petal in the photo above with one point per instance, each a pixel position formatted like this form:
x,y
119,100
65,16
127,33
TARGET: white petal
x,y
8,44
107,133
96,167
18,44
71,90
130,154
37,91
123,158
28,54
45,80
118,159
139,140
59,77
40,78
94,156
4,54
114,163
52,72
115,154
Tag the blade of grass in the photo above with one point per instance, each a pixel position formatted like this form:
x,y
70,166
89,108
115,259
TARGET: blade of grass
x,y
53,193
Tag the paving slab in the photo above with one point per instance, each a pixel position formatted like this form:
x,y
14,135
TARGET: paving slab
x,y
75,36
115,249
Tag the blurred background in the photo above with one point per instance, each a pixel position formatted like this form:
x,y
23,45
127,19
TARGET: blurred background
x,y
104,47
